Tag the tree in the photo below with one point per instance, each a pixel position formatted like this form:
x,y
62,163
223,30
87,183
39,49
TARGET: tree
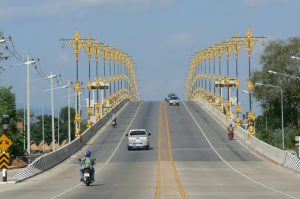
x,y
277,57
64,123
37,131
8,107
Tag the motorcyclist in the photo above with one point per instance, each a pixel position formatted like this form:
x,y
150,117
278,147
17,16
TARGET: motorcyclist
x,y
114,119
87,162
230,130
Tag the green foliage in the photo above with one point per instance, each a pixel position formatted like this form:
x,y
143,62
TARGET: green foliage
x,y
8,107
37,127
277,57
64,123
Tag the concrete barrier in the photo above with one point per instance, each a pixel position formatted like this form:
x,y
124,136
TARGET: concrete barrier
x,y
54,158
275,154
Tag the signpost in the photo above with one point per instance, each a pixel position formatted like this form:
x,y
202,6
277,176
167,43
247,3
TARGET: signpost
x,y
297,139
5,143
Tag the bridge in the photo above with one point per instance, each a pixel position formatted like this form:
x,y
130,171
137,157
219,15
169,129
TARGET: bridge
x,y
190,155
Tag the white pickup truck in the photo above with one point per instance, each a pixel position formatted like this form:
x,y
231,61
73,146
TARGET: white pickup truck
x,y
138,138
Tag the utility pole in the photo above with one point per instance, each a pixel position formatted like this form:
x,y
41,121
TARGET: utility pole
x,y
58,128
52,108
28,104
69,111
43,126
28,63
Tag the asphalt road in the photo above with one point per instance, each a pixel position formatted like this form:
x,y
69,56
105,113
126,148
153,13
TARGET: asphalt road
x,y
190,157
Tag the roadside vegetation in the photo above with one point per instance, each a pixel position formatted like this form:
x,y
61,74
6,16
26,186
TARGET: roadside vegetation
x,y
277,57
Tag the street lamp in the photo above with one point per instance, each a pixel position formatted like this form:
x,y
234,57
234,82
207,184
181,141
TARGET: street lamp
x,y
294,57
283,74
28,63
282,125
69,111
51,76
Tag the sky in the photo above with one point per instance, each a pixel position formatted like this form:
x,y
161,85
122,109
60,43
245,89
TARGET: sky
x,y
160,35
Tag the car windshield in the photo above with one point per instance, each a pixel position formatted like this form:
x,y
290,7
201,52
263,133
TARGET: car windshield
x,y
171,95
174,98
137,133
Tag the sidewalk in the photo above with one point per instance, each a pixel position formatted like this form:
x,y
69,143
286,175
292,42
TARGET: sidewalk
x,y
10,174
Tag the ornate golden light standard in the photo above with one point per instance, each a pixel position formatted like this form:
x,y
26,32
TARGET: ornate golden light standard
x,y
96,52
110,57
214,56
208,55
237,43
202,58
76,43
220,49
205,71
228,47
117,58
88,46
104,79
249,40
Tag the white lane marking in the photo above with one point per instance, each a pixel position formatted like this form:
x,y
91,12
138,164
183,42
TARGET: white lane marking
x,y
222,126
230,166
107,161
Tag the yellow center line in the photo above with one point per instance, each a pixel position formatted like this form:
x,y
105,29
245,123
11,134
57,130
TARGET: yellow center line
x,y
167,179
158,169
174,170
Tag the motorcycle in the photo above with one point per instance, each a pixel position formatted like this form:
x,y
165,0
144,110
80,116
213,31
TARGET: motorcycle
x,y
230,133
87,180
114,123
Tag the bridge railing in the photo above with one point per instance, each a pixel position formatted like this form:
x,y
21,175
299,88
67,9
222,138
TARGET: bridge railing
x,y
54,158
279,156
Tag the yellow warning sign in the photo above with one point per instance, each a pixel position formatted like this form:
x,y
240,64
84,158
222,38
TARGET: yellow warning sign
x,y
4,160
5,142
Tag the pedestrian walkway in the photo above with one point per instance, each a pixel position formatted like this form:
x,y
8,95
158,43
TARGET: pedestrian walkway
x,y
10,174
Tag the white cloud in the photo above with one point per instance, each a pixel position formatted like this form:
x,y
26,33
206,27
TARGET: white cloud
x,y
263,2
179,39
17,9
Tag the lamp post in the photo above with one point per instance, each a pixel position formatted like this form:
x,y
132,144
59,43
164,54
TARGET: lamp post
x,y
104,54
220,54
77,44
28,63
88,49
294,57
209,55
68,86
236,48
282,120
214,56
43,128
228,47
96,52
51,77
249,40
283,74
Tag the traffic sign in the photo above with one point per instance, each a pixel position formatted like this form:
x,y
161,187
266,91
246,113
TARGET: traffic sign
x,y
4,160
5,142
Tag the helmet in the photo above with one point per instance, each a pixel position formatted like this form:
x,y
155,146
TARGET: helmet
x,y
88,153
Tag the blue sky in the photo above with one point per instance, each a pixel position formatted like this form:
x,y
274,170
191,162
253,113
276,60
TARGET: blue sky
x,y
160,35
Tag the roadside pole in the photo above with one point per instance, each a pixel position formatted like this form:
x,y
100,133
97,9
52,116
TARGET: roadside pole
x,y
5,143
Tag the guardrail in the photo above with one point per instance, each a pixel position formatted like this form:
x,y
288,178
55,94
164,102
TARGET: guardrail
x,y
279,156
52,159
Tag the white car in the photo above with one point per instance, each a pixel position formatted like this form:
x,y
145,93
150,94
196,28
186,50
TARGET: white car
x,y
138,138
174,101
